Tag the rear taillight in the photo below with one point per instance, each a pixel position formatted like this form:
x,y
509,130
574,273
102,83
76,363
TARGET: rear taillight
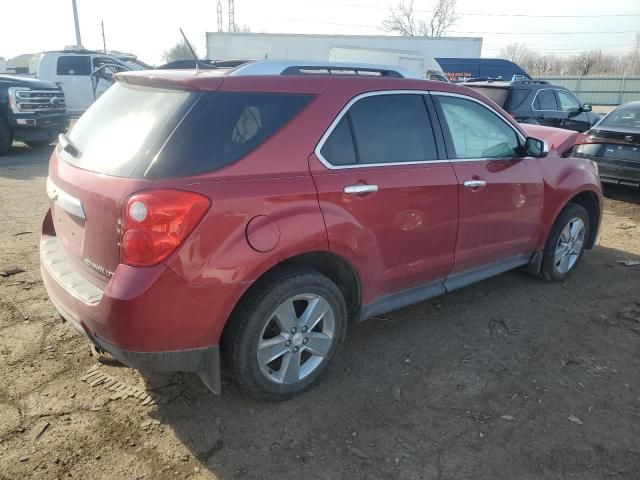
x,y
156,222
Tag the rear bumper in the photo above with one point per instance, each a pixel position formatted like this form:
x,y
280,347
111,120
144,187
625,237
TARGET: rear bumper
x,y
203,361
145,317
619,175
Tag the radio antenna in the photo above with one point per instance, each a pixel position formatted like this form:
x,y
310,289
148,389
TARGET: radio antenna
x,y
193,52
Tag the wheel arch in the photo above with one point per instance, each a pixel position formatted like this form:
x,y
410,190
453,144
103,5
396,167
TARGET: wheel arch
x,y
333,266
590,201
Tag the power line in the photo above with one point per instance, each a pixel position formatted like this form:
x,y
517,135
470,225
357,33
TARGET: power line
x,y
464,32
474,14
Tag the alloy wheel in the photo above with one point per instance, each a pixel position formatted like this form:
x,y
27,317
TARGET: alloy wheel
x,y
296,338
569,245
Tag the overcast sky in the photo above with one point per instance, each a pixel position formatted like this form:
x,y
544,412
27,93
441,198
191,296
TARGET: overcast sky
x,y
148,27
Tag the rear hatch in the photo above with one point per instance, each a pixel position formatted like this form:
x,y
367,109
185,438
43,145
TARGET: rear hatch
x,y
101,163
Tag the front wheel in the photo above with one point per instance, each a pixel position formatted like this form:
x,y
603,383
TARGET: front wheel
x,y
565,244
284,333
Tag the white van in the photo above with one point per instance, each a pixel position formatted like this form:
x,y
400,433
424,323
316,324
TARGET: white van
x,y
84,75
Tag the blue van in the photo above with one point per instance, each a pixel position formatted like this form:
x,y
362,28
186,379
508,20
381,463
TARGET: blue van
x,y
462,69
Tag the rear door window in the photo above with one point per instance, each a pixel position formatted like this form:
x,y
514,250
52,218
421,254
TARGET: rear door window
x,y
226,127
74,65
392,129
545,100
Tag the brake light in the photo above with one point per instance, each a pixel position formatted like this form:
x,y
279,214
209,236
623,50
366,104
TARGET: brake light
x,y
156,222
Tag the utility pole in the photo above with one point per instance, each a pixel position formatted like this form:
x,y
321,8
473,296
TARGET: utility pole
x,y
219,9
232,20
104,42
75,19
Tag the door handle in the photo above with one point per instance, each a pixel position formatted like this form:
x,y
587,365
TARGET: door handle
x,y
475,183
358,189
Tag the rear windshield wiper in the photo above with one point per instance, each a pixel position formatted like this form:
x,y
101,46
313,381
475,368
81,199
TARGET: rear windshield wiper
x,y
68,146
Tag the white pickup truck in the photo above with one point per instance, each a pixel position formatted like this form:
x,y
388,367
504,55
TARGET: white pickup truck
x,y
83,75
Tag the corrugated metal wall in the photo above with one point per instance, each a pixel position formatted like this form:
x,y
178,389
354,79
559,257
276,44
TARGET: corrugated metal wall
x,y
601,90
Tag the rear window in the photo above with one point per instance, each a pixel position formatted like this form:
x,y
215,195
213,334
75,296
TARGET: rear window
x,y
223,128
123,129
627,116
498,95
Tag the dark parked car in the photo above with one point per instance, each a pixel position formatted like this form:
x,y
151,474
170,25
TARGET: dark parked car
x,y
252,214
32,111
539,103
614,143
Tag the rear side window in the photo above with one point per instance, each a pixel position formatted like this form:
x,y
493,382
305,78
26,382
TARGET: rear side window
x,y
545,100
74,65
224,128
339,148
516,98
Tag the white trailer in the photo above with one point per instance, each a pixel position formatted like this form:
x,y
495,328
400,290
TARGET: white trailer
x,y
285,46
412,60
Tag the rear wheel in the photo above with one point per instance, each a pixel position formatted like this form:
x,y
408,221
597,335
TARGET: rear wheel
x,y
565,244
284,334
6,136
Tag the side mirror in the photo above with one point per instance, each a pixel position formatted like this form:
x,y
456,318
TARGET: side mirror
x,y
586,107
534,147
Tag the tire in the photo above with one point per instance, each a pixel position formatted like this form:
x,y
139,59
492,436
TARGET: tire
x,y
565,244
260,329
6,136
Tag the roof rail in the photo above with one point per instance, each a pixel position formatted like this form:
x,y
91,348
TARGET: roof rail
x,y
302,67
529,82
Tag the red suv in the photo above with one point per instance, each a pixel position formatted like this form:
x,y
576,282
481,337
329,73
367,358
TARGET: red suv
x,y
251,214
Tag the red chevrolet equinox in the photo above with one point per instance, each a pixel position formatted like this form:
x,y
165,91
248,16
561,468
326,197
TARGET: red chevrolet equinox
x,y
245,217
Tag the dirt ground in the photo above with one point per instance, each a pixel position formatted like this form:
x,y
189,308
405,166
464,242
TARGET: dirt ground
x,y
511,378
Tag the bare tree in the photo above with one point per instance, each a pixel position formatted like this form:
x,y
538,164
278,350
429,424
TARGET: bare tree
x,y
403,20
244,28
180,51
587,63
517,53
444,16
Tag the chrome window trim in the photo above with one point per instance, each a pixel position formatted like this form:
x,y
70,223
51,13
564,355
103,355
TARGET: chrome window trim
x,y
557,100
534,101
345,109
343,112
